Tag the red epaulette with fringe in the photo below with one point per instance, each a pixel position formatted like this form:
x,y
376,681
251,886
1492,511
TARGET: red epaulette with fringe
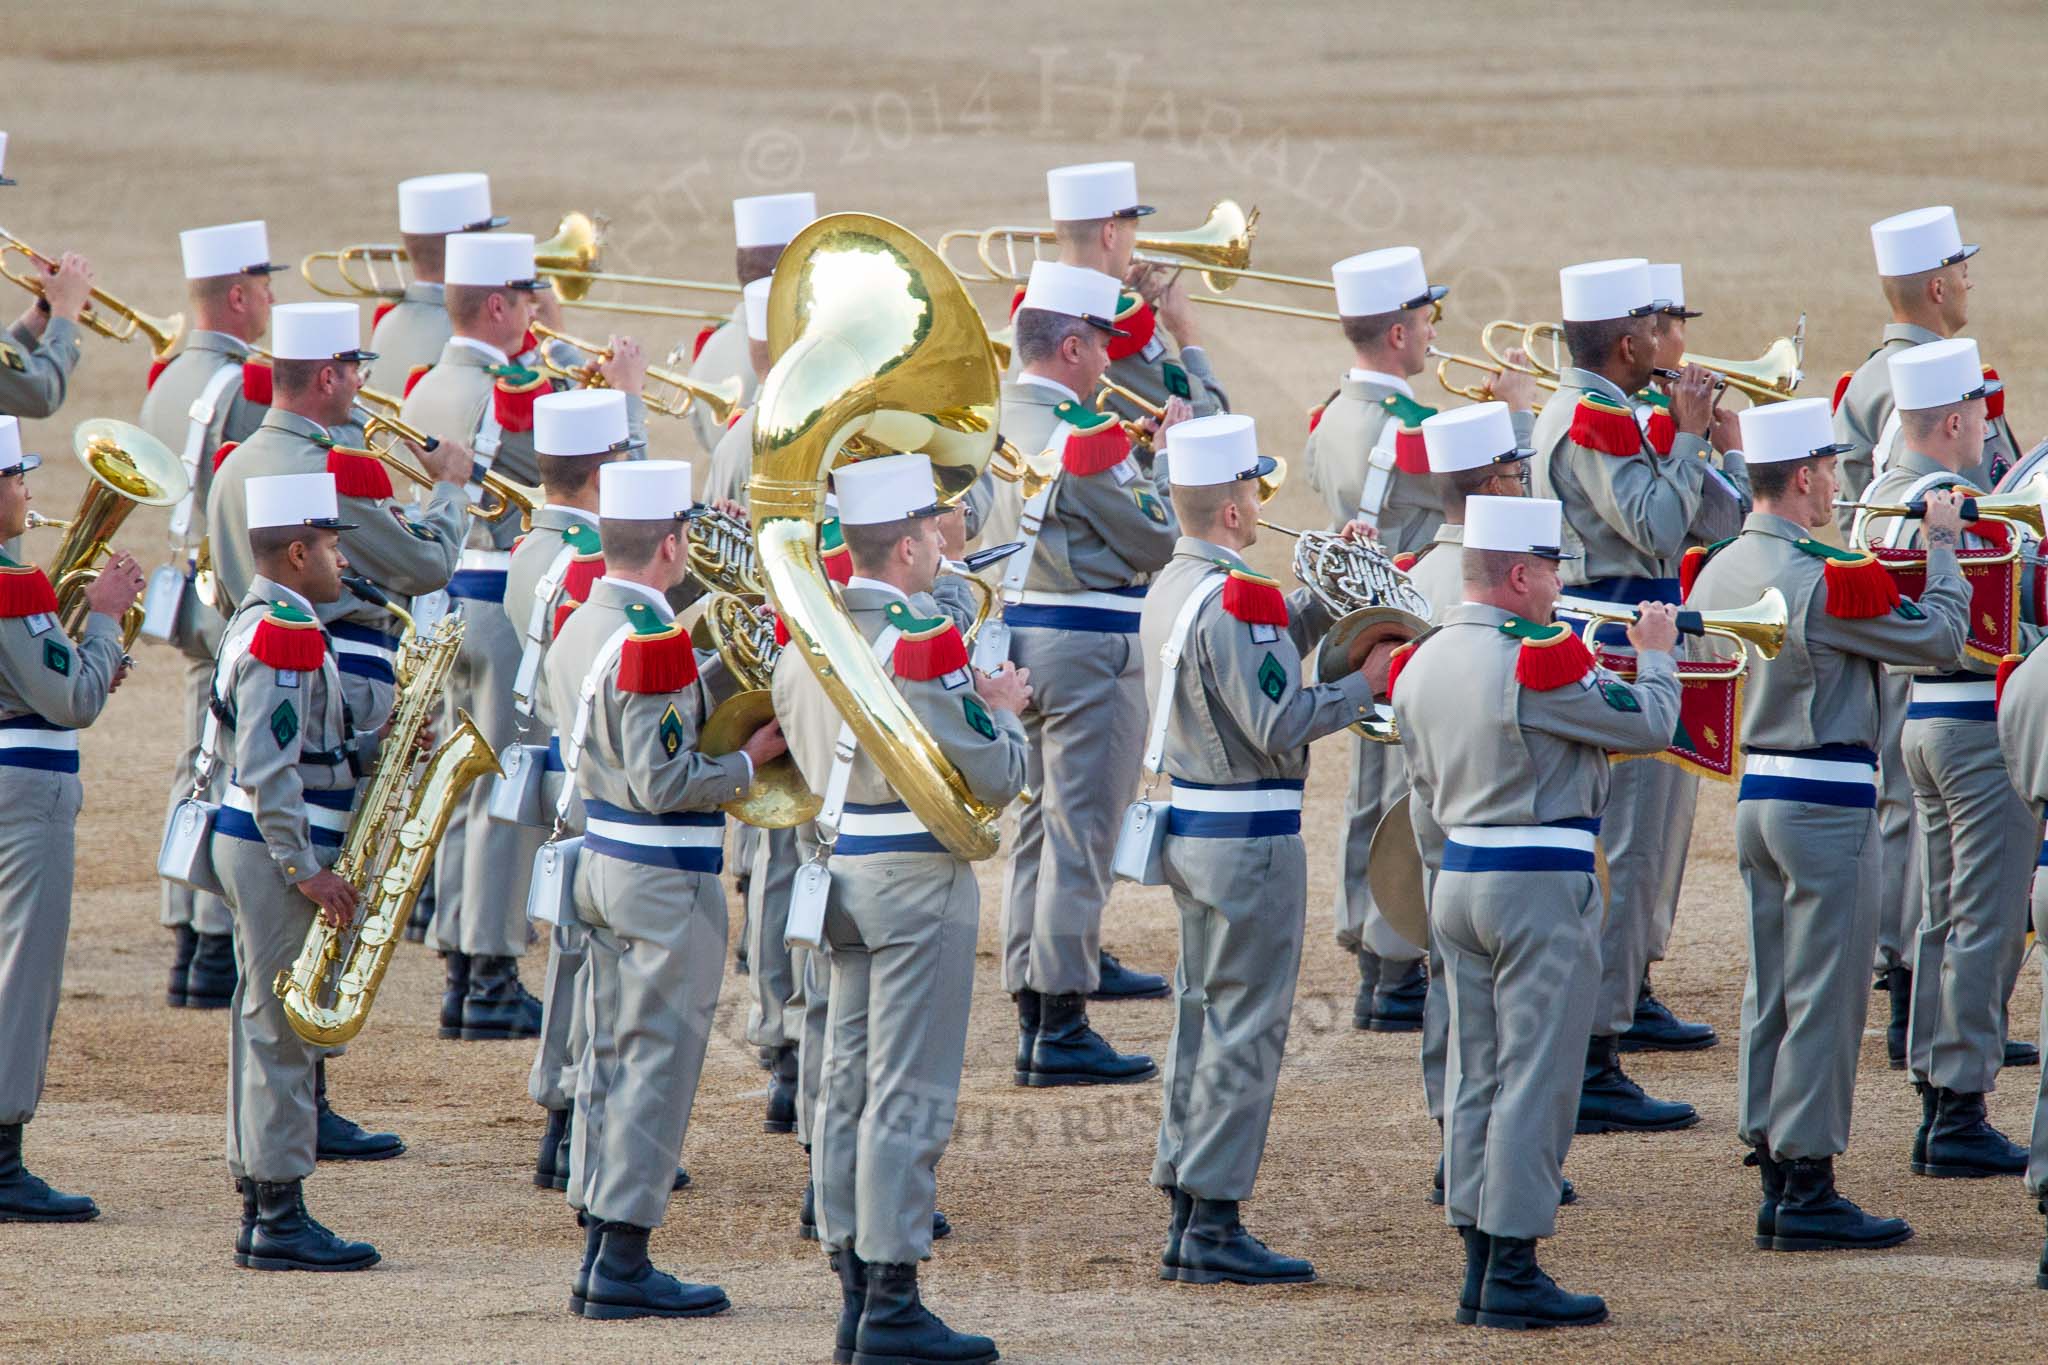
x,y
382,308
1661,432
25,591
1135,317
563,611
1397,663
1994,403
288,639
1689,565
1551,656
256,382
781,631
1092,451
156,371
658,660
734,420
832,550
1406,560
703,335
1859,587
583,572
220,456
358,474
1016,301
2005,668
413,377
512,400
1254,598
1599,423
1841,387
927,647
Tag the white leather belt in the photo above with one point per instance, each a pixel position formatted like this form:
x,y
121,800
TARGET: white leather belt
x,y
56,740
1236,799
1987,690
657,836
1808,769
1521,836
1099,601
486,559
881,825
319,817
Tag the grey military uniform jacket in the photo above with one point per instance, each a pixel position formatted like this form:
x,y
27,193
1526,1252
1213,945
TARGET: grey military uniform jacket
x,y
35,373
1027,422
411,333
1865,406
2023,728
46,681
1336,458
724,356
1112,529
1439,574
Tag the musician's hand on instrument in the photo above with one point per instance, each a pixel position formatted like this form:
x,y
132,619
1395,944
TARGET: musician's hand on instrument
x,y
335,897
1692,399
730,507
1358,528
1006,689
1374,656
1726,432
450,461
1178,410
626,371
1655,629
1512,387
1177,311
121,672
118,585
69,286
1944,516
765,745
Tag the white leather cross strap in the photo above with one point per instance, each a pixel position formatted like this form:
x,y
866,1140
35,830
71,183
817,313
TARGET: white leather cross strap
x,y
537,621
1169,665
199,422
572,751
1379,474
829,816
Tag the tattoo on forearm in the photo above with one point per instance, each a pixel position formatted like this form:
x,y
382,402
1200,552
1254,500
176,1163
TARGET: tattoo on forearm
x,y
1942,538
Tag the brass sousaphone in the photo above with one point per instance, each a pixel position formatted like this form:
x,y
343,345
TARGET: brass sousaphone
x,y
126,467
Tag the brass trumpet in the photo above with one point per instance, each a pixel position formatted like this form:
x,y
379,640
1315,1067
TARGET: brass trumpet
x,y
719,399
113,319
510,494
1478,393
1269,484
1772,377
1760,625
2025,506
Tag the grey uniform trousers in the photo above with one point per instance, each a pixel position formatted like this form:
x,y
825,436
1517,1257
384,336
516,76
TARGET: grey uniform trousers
x,y
655,959
1901,892
814,977
775,1014
180,903
1436,1029
2037,1156
1685,799
1086,730
1379,778
35,924
483,865
1810,871
1978,844
1521,956
1634,831
1243,907
272,1127
564,1029
900,931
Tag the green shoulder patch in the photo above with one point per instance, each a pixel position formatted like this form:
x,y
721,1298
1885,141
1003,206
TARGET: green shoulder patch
x,y
1654,397
1909,610
1176,378
583,539
1529,630
1406,410
284,724
1272,678
909,622
1080,418
1154,510
645,620
57,656
516,375
671,731
1618,695
978,718
1822,550
11,356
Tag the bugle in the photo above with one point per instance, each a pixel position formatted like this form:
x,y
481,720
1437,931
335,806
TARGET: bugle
x,y
2025,506
111,318
1760,625
508,495
684,392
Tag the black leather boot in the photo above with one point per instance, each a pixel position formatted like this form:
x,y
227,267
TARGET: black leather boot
x,y
593,1238
1027,1032
1368,982
2041,1271
1899,982
1477,1245
342,1139
1118,982
1813,1216
1962,1142
497,1005
682,1178
895,1326
853,1297
624,1283
1518,1295
1774,1189
807,1216
1397,1000
456,987
210,980
553,1150
1609,1102
26,1198
1068,1052
781,1114
288,1238
1215,1249
183,941
1176,1227
1654,1028
2019,1052
1918,1160
247,1189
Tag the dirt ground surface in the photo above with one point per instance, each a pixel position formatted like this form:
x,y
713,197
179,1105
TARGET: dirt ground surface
x,y
1754,143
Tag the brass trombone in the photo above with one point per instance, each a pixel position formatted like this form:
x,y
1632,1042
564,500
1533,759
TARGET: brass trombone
x,y
1761,625
1772,377
113,319
510,494
1478,393
719,399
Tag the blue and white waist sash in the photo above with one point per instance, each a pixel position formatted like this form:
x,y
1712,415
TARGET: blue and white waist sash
x,y
882,827
1111,611
480,577
326,815
32,742
364,652
1831,775
1560,846
1953,696
1266,809
687,841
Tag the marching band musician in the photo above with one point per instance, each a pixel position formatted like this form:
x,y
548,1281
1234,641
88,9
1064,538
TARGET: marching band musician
x,y
901,921
762,225
50,688
646,885
2022,708
1627,507
1977,839
478,394
1095,213
1805,823
205,398
1072,599
291,747
407,334
732,458
39,352
1238,724
1515,905
549,575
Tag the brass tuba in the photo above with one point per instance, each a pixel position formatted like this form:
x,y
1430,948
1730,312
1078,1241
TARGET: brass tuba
x,y
880,350
127,467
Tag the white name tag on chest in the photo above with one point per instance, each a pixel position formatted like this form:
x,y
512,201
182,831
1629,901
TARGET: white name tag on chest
x,y
1124,471
42,623
1265,634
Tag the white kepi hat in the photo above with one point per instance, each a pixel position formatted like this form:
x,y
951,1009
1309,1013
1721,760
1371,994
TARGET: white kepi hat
x,y
295,500
1472,437
756,298
3,159
1937,374
772,219
1601,290
1924,239
1523,526
645,490
456,202
1802,429
492,260
12,460
1383,281
1100,189
1223,448
318,331
1075,291
1667,287
888,488
581,422
230,249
